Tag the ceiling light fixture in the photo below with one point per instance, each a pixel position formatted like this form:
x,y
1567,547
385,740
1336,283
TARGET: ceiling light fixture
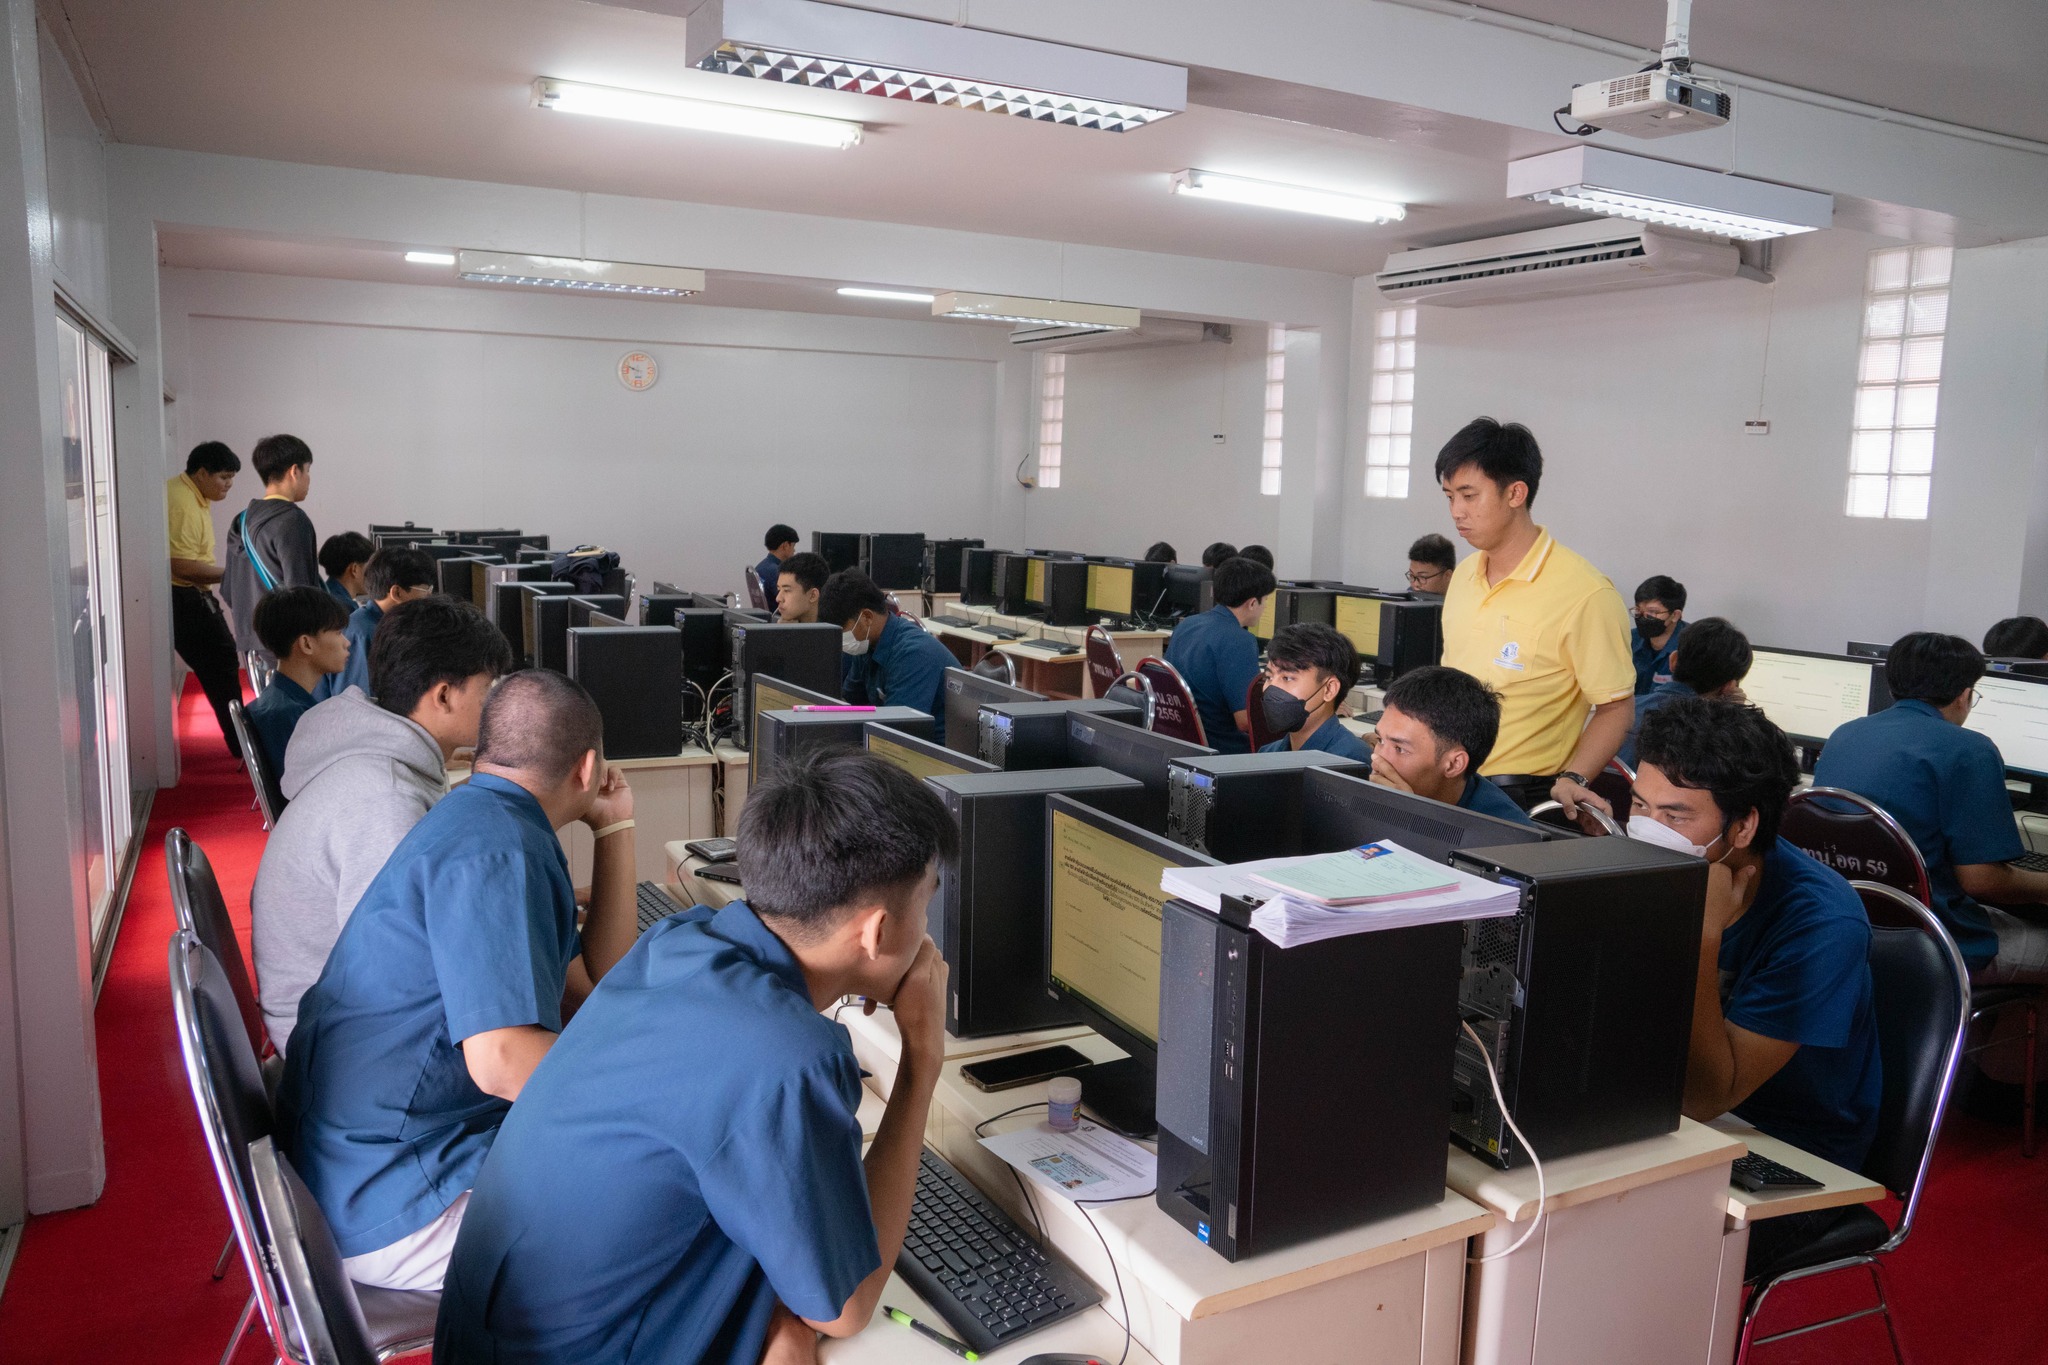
x,y
1267,194
833,47
1100,317
430,257
567,272
708,116
1617,185
900,295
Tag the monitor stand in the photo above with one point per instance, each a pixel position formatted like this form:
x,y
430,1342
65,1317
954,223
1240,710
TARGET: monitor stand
x,y
1121,1094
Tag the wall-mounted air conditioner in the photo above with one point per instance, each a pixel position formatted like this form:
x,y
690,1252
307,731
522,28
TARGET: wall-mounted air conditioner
x,y
1579,258
1151,332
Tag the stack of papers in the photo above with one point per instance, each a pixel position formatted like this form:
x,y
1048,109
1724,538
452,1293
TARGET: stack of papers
x,y
1288,919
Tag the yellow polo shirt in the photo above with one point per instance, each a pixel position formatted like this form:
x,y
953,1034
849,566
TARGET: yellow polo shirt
x,y
1551,638
191,524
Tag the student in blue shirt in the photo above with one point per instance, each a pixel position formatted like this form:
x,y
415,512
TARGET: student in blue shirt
x,y
343,558
1946,786
894,661
1439,725
391,578
781,543
1215,552
303,627
797,587
2017,637
1310,669
1716,659
707,1202
1218,657
1659,620
450,980
1784,1032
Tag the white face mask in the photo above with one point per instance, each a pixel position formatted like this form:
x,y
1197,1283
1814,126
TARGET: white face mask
x,y
1662,835
852,644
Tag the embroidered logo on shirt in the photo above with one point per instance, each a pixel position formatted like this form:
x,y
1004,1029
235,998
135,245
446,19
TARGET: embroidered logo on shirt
x,y
1510,657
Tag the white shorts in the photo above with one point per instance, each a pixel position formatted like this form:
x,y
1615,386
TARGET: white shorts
x,y
418,1261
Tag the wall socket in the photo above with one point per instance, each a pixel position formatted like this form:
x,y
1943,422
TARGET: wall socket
x,y
1757,426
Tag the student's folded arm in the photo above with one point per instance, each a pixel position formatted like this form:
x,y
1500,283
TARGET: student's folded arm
x,y
500,1060
2001,883
1732,1071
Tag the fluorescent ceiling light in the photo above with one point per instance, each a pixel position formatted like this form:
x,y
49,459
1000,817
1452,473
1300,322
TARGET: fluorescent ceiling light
x,y
1100,317
901,295
1617,185
1235,189
567,272
430,257
709,116
834,47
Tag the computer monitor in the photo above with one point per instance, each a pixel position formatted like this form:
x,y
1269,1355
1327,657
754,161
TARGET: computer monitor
x,y
766,692
1411,637
894,559
1009,579
966,693
944,564
710,601
1190,589
1105,742
585,605
635,675
388,528
1103,909
806,655
1808,695
522,631
1357,619
477,537
441,549
839,549
1112,589
548,642
978,575
2013,710
659,608
921,758
600,621
2026,668
1034,582
1066,591
497,577
457,577
1867,649
783,735
510,544
1295,604
1341,810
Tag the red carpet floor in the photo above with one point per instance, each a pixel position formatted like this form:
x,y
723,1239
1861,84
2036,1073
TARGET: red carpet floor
x,y
126,1280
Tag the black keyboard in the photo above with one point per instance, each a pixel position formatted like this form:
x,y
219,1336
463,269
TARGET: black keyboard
x,y
956,622
1757,1173
1045,647
987,1277
2031,862
656,904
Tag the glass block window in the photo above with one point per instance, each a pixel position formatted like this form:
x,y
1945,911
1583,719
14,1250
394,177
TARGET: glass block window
x,y
1276,399
1898,382
1390,417
1052,407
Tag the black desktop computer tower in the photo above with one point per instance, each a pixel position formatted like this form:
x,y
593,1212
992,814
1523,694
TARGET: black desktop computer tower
x,y
978,576
457,577
514,604
1583,997
660,608
1300,1089
784,735
1066,592
704,649
988,915
806,656
635,675
839,549
1411,637
549,647
943,564
895,560
1020,736
1008,580
1239,807
496,577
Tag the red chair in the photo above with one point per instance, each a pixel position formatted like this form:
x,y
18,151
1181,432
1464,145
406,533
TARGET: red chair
x,y
1615,784
1861,840
1255,711
1173,705
1105,665
755,593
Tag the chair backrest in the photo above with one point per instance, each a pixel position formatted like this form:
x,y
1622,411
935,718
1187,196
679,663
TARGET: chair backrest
x,y
1856,837
262,774
1105,664
756,594
1552,814
1136,689
996,665
202,912
318,1294
1255,711
233,1107
1920,988
1615,784
1173,705
259,671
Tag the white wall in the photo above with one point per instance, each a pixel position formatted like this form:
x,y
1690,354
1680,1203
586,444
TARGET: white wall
x,y
78,184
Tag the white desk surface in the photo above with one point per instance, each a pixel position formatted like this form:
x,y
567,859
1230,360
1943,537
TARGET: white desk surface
x,y
1592,1175
875,1036
1841,1185
688,758
885,1342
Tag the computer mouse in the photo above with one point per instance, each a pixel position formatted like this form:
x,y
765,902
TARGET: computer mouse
x,y
1063,1358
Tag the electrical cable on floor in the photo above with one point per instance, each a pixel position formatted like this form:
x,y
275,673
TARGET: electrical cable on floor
x,y
1493,1077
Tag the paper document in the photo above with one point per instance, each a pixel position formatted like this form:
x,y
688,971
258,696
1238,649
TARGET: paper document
x,y
1088,1163
1359,876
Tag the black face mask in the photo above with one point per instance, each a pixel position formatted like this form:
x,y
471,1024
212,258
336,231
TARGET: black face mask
x,y
1650,626
1285,713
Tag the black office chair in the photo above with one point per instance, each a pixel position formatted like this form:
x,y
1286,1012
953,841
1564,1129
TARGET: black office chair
x,y
756,596
262,770
1921,992
996,666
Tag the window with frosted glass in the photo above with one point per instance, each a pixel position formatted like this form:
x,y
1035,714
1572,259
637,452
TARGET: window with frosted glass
x,y
1390,414
1898,383
1276,399
1052,417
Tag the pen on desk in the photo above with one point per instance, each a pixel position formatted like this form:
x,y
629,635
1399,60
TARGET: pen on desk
x,y
940,1337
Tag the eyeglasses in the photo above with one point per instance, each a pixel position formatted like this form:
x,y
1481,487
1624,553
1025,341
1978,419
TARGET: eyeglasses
x,y
1976,699
1416,580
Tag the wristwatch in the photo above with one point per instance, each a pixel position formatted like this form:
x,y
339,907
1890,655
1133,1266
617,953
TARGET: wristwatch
x,y
1576,778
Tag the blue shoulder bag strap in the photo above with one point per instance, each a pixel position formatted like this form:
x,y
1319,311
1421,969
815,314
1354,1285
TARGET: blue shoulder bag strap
x,y
263,575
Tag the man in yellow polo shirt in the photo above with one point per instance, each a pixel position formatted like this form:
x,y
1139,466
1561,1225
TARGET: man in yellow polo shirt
x,y
1534,621
199,631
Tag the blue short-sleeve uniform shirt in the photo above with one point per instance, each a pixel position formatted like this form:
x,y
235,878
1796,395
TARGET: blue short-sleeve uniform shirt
x,y
275,714
1329,738
469,927
361,628
687,1154
905,666
1946,786
1653,666
769,570
1648,702
1488,799
1218,658
1796,967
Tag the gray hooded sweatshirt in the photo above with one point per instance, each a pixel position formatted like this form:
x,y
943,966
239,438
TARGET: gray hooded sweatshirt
x,y
358,778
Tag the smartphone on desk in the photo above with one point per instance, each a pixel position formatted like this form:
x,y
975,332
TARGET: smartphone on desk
x,y
1022,1068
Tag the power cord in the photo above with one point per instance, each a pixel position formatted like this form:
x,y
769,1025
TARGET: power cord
x,y
1493,1078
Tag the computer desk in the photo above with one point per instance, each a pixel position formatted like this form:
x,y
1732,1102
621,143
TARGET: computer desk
x,y
685,885
1386,1292
735,773
884,1342
673,798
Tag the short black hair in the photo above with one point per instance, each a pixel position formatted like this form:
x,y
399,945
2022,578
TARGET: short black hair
x,y
1218,551
1310,644
277,456
344,550
540,722
1929,667
1433,549
428,641
847,594
1162,553
1505,453
1666,591
1455,707
396,567
283,616
2017,637
1239,580
809,570
213,457
1257,554
833,827
778,535
1728,749
1711,654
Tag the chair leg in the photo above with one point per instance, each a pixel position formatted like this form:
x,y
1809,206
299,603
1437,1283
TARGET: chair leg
x,y
2027,1146
1750,1311
220,1267
241,1328
1884,1306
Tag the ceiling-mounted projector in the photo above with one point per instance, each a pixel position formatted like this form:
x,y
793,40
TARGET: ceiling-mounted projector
x,y
1660,100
